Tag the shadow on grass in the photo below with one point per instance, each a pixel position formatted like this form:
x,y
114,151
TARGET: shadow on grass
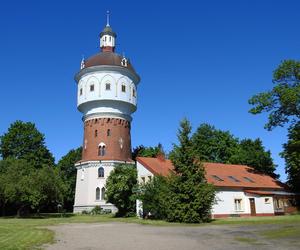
x,y
41,216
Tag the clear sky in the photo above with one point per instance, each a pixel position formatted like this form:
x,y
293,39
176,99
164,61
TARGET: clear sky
x,y
197,59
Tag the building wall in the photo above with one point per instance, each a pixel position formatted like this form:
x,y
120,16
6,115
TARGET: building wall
x,y
96,100
86,183
225,205
117,142
142,172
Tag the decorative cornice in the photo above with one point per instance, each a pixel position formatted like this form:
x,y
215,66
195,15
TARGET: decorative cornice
x,y
107,115
113,68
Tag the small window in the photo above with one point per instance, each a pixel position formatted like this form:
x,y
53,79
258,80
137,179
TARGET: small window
x,y
101,172
143,179
238,204
150,177
96,133
133,93
97,194
80,91
110,38
123,88
108,132
101,150
102,193
248,179
267,200
107,86
92,87
233,178
217,178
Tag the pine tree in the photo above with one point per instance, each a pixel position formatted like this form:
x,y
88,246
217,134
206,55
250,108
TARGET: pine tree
x,y
190,197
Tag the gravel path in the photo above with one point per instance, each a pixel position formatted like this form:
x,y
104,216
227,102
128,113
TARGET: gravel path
x,y
122,236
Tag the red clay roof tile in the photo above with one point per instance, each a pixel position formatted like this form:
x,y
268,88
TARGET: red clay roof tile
x,y
223,171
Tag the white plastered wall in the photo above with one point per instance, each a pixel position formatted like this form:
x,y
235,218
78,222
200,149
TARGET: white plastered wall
x,y
225,203
86,183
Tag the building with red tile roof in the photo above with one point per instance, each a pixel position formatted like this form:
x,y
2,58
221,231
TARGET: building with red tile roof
x,y
241,191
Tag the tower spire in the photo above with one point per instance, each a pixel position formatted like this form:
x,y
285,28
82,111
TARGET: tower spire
x,y
107,18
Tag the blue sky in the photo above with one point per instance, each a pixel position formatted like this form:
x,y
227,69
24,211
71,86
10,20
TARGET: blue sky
x,y
197,59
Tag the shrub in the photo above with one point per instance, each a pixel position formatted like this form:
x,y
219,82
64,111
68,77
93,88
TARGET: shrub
x,y
96,210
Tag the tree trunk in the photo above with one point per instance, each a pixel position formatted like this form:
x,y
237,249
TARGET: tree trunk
x,y
19,212
3,209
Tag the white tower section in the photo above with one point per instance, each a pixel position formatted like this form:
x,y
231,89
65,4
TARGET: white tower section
x,y
107,91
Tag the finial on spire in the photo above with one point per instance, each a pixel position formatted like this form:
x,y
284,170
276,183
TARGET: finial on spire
x,y
82,63
107,18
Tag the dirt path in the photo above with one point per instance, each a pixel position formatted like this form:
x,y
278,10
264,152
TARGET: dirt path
x,y
121,236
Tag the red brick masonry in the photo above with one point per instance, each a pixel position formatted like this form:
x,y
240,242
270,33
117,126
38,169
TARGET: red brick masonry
x,y
113,132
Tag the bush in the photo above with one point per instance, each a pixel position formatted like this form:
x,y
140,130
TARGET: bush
x,y
85,212
153,196
96,210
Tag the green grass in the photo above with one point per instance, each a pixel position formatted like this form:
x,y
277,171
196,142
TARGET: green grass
x,y
283,232
26,233
247,240
288,219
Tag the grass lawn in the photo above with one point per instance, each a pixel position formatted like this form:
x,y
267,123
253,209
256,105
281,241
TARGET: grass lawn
x,y
27,233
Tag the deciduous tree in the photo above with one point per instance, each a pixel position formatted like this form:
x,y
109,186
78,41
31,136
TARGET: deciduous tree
x,y
291,153
119,188
24,141
282,103
67,171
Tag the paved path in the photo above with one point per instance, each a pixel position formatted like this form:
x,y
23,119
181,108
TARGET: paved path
x,y
122,236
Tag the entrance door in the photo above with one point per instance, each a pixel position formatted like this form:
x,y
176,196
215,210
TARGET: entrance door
x,y
252,206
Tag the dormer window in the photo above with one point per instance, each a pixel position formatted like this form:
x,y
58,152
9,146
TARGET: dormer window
x,y
107,86
92,87
123,88
124,62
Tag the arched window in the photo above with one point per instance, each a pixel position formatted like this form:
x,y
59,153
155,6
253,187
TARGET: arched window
x,y
96,133
92,87
97,194
123,88
102,193
101,172
101,150
108,132
107,86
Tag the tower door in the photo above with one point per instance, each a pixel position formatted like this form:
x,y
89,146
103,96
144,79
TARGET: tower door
x,y
252,206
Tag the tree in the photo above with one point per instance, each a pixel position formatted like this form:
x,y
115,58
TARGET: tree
x,y
190,197
283,101
67,171
147,151
119,189
283,105
213,145
24,141
153,195
28,187
291,153
252,153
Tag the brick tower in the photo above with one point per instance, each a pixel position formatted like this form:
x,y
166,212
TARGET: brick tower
x,y
107,96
